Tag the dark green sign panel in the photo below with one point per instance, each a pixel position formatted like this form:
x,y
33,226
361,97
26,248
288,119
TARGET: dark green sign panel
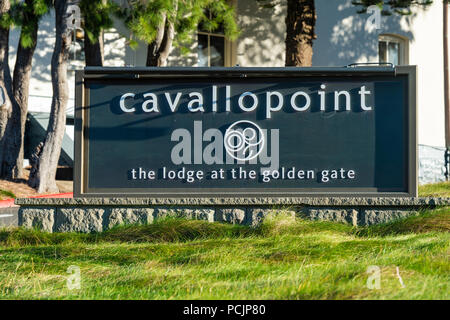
x,y
238,132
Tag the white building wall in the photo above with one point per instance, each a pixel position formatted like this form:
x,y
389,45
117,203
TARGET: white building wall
x,y
40,89
344,38
263,32
426,51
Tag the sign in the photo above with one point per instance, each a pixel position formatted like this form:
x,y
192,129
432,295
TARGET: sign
x,y
240,132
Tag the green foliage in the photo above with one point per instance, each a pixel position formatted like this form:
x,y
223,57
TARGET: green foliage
x,y
97,16
143,18
26,15
6,194
6,20
133,44
402,7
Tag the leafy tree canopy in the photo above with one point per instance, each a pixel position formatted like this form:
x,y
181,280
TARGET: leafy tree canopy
x,y
25,14
97,16
145,17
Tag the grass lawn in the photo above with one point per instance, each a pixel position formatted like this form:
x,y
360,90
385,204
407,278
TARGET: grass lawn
x,y
441,189
282,259
5,194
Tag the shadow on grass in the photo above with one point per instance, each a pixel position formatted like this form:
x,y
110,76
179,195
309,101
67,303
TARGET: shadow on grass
x,y
182,230
164,230
428,221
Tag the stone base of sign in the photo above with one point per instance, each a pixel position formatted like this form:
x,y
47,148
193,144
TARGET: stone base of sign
x,y
99,214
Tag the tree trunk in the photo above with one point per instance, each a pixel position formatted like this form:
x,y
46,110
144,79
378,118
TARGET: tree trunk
x,y
5,80
158,51
300,23
12,167
44,177
93,52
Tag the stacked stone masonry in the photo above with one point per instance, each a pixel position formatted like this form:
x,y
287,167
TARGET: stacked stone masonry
x,y
96,215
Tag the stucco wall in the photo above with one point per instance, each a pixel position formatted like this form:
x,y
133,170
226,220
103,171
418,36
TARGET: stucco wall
x,y
343,37
263,32
431,164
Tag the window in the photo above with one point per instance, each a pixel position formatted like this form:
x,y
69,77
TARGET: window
x,y
214,50
211,50
393,49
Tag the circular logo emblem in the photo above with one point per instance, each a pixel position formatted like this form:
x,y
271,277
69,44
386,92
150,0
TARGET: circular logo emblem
x,y
244,140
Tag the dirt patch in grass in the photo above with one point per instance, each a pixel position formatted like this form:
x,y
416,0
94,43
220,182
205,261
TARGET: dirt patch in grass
x,y
21,189
18,187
